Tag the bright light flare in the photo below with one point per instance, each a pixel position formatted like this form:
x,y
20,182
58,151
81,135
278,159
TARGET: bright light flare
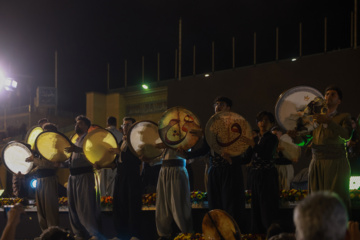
x,y
207,75
2,80
144,86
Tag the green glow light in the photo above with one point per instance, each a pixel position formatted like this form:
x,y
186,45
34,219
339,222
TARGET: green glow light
x,y
144,86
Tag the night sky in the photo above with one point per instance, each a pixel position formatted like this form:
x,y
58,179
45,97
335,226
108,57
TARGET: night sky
x,y
90,34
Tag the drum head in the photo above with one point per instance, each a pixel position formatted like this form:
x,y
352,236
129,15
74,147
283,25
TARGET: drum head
x,y
291,104
223,132
14,155
51,146
142,138
31,136
175,126
96,146
218,222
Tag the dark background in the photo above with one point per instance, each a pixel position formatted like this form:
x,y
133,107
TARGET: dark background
x,y
90,34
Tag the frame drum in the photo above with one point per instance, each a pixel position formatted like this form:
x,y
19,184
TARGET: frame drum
x,y
224,130
96,146
51,146
142,138
31,136
291,104
14,155
218,224
175,126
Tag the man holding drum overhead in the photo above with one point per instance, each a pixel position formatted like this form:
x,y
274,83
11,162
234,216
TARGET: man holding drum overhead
x,y
329,168
84,210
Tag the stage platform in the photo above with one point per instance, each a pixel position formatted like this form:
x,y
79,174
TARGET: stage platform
x,y
29,226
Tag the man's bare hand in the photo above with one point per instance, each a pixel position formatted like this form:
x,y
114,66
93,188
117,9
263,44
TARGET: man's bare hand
x,y
248,141
321,118
114,150
292,133
74,149
227,157
30,159
15,213
197,132
160,145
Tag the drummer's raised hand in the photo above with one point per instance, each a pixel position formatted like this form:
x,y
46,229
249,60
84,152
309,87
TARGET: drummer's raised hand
x,y
196,132
145,159
114,150
292,133
30,159
96,166
322,118
73,148
160,145
227,157
247,141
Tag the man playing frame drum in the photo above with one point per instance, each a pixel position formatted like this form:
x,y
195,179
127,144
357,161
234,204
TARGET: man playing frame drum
x,y
329,168
84,210
127,187
47,202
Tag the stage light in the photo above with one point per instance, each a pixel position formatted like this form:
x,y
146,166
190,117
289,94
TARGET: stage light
x,y
10,84
207,75
354,182
144,86
33,183
293,59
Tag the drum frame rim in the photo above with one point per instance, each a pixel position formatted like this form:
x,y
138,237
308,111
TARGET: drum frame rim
x,y
168,110
29,132
88,134
61,134
129,132
286,93
2,155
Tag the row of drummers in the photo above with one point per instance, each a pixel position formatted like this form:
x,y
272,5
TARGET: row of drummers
x,y
177,128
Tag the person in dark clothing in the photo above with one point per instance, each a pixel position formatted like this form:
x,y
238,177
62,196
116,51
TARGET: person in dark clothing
x,y
225,185
127,189
263,174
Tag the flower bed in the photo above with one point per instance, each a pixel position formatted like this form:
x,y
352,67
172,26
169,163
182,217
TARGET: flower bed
x,y
292,195
197,198
355,197
63,201
106,202
199,236
11,201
